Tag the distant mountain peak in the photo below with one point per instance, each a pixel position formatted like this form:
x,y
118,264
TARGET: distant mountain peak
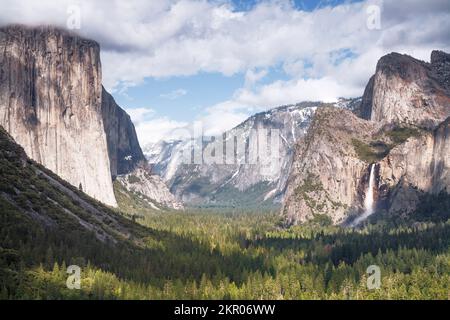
x,y
257,184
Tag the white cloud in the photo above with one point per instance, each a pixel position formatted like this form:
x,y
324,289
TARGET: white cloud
x,y
228,114
324,89
162,128
222,117
175,94
252,77
169,38
151,128
139,115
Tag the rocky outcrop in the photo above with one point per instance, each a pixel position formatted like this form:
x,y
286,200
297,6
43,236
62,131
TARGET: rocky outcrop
x,y
125,153
420,165
327,176
50,102
152,187
53,104
404,134
414,93
330,173
409,91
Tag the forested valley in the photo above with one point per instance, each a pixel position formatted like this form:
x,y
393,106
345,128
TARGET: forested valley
x,y
126,253
206,255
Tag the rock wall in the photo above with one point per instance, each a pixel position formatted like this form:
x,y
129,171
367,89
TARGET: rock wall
x,y
327,177
409,91
422,164
404,132
50,102
53,104
125,153
127,162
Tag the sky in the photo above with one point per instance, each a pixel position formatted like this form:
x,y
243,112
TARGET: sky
x,y
171,63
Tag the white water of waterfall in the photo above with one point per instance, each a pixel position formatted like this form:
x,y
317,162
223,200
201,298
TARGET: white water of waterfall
x,y
368,201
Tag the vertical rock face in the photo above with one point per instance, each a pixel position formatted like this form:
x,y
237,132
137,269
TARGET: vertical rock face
x,y
51,103
128,164
125,153
327,176
242,182
330,173
422,164
409,91
404,132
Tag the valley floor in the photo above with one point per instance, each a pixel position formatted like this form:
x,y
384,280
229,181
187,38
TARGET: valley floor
x,y
205,255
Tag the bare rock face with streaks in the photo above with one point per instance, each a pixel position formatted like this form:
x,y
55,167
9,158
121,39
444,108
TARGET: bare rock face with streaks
x,y
141,181
125,153
420,165
327,177
50,102
403,133
409,91
53,104
128,164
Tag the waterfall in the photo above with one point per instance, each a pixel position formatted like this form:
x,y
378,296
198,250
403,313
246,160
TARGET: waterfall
x,y
368,201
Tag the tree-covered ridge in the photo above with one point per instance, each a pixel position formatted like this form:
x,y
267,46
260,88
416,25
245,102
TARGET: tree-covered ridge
x,y
201,254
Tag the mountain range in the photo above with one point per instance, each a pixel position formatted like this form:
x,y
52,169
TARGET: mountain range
x,y
399,127
245,184
53,104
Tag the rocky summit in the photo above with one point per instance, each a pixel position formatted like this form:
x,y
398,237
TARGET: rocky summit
x,y
402,133
409,91
50,102
53,104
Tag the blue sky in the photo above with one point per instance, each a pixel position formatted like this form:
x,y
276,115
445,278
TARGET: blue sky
x,y
183,98
172,62
306,5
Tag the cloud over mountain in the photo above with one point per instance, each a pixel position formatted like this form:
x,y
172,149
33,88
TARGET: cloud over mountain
x,y
325,53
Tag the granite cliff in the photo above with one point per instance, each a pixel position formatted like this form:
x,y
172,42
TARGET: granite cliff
x,y
125,153
403,131
409,91
50,103
243,183
53,104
